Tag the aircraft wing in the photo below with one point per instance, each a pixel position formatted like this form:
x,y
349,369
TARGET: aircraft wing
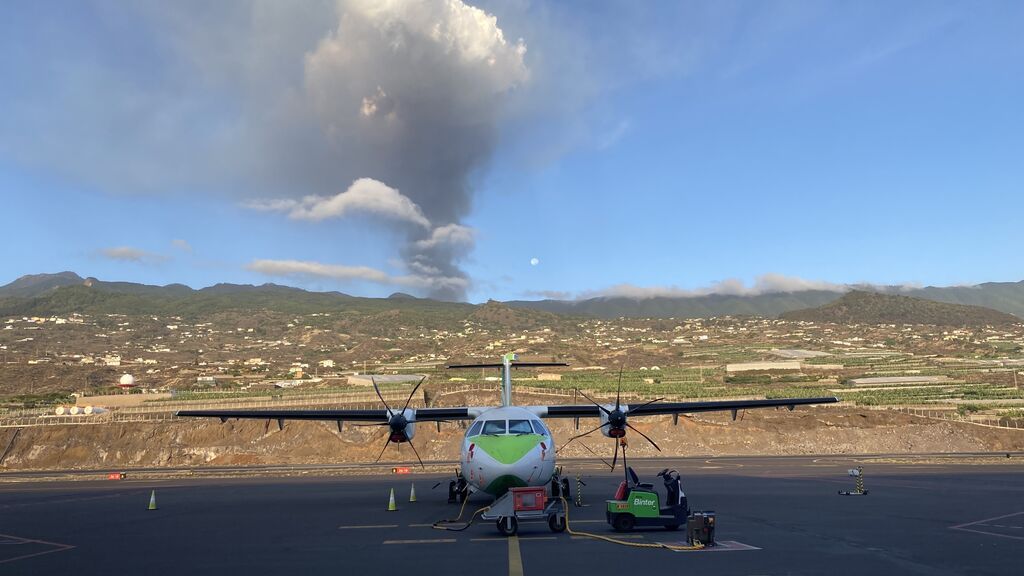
x,y
655,408
375,415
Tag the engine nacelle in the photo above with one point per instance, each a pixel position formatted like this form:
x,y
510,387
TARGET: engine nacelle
x,y
613,422
403,425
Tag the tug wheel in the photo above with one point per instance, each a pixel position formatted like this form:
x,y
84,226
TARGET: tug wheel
x,y
556,523
623,522
508,525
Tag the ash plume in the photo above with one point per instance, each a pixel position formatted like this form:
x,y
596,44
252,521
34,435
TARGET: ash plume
x,y
410,94
319,110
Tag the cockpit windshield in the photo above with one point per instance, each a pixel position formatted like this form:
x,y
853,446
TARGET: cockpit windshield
x,y
494,427
519,427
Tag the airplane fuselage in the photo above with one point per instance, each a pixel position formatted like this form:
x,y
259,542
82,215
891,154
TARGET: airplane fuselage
x,y
507,447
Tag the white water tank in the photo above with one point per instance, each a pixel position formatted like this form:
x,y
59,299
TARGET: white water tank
x,y
75,411
60,411
94,410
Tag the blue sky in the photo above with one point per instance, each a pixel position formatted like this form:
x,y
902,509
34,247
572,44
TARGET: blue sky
x,y
631,148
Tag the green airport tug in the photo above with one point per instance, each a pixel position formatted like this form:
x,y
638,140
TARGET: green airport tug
x,y
637,504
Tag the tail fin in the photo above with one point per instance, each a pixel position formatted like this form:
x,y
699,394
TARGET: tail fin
x,y
508,361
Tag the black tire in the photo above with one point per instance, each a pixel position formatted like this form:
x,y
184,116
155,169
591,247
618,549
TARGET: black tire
x,y
504,528
556,523
565,489
623,522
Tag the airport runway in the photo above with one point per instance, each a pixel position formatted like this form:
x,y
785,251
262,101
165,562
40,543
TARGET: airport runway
x,y
937,515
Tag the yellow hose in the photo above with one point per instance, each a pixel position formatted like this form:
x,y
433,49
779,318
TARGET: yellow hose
x,y
568,528
440,524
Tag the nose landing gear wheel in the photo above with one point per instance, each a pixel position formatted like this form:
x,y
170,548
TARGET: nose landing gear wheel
x,y
508,525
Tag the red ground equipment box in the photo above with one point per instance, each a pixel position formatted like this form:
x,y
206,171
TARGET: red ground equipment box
x,y
529,499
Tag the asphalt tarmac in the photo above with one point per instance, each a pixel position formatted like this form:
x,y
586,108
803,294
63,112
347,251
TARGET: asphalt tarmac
x,y
938,515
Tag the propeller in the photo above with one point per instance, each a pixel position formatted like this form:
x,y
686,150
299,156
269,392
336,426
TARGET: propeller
x,y
616,422
397,422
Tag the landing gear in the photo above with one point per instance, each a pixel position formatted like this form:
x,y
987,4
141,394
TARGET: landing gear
x,y
560,488
458,490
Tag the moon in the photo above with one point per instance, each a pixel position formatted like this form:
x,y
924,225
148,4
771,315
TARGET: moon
x,y
534,261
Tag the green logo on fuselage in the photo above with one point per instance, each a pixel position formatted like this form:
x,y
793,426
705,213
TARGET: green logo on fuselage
x,y
507,449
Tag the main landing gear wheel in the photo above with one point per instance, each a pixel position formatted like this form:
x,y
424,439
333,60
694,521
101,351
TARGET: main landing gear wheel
x,y
556,523
508,525
623,523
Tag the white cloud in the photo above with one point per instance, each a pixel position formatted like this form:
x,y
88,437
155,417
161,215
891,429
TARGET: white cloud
x,y
129,254
364,195
548,294
305,268
182,245
453,236
764,284
612,136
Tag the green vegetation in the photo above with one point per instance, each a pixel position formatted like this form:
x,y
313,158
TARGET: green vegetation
x,y
35,400
858,307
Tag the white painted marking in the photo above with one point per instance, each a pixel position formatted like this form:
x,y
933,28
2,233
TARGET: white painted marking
x,y
433,541
964,527
368,526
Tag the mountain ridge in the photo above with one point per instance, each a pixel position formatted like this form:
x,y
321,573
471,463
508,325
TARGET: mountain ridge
x,y
861,307
64,291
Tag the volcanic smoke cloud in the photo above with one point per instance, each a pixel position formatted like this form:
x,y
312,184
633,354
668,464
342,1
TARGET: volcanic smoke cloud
x,y
319,110
409,98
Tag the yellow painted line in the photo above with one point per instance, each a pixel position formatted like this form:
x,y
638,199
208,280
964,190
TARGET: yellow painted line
x,y
515,559
368,526
432,541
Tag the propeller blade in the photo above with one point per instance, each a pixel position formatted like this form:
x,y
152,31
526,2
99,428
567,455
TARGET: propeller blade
x,y
580,436
630,426
413,393
387,440
603,409
618,389
377,390
591,450
616,457
411,445
631,408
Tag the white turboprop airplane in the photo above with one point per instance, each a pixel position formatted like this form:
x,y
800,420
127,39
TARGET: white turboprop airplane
x,y
506,446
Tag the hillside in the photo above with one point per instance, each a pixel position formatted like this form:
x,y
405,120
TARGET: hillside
x,y
707,306
37,284
859,307
47,294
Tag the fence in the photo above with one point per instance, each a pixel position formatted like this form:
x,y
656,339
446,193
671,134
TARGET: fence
x,y
953,416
